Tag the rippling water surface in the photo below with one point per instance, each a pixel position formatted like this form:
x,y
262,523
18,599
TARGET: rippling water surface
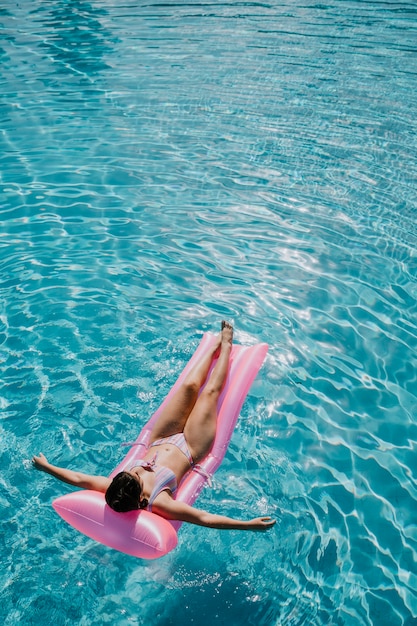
x,y
165,165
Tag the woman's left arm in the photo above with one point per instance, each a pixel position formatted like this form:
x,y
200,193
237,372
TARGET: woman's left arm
x,y
171,509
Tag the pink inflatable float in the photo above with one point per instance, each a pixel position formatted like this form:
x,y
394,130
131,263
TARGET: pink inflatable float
x,y
144,534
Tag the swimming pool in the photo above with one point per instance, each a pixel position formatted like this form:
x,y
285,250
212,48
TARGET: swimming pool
x,y
165,165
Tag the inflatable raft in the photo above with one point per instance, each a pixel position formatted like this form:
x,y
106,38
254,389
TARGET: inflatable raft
x,y
144,534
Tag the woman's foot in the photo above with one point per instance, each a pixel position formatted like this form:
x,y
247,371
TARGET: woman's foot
x,y
227,332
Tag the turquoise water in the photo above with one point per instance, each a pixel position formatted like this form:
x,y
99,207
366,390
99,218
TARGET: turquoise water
x,y
165,165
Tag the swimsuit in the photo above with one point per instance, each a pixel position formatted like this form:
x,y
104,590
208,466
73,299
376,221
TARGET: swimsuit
x,y
164,478
179,441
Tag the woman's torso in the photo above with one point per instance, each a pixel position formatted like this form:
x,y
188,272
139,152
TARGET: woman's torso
x,y
164,467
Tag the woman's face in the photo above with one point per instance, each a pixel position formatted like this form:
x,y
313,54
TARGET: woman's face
x,y
136,474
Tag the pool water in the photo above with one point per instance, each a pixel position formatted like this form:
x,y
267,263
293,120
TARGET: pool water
x,y
165,165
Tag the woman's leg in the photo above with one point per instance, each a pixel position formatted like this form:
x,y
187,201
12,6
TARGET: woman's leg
x,y
174,415
200,428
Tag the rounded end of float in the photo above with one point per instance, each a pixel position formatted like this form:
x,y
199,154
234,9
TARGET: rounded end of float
x,y
138,533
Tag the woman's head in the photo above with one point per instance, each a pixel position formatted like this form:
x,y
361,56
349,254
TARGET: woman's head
x,y
123,493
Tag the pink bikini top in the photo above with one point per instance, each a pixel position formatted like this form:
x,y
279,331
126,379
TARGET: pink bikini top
x,y
164,478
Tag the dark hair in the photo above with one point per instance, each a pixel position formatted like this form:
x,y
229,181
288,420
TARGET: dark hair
x,y
123,493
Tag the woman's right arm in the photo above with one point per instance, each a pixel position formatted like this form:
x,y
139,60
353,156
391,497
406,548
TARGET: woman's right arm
x,y
77,479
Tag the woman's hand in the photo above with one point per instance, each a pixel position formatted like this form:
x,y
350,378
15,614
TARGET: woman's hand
x,y
40,462
261,523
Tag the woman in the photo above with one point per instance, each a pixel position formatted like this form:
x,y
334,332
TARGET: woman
x,y
182,437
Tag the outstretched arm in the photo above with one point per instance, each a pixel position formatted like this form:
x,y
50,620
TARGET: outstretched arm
x,y
171,509
77,479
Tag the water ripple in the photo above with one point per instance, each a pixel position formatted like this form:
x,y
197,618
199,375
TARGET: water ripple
x,y
163,167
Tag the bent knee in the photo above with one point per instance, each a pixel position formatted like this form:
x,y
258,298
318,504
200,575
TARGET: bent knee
x,y
191,386
211,390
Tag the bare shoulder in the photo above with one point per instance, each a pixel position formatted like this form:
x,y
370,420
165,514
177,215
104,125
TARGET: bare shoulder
x,y
167,507
165,503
